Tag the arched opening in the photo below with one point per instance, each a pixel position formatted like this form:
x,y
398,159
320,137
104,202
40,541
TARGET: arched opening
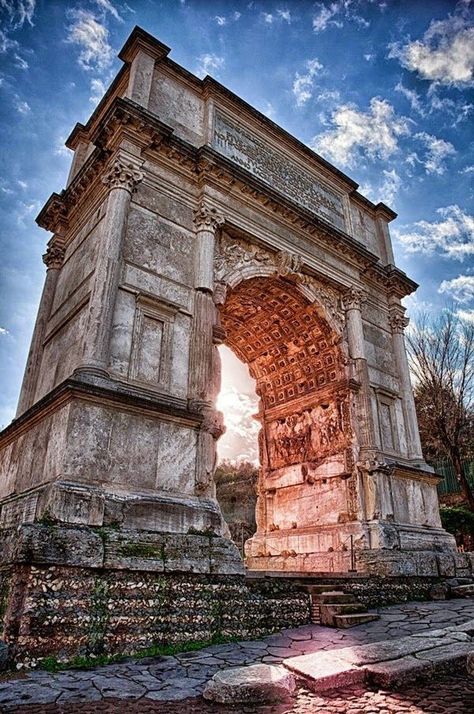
x,y
305,436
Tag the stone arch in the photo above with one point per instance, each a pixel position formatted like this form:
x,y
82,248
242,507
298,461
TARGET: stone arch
x,y
297,359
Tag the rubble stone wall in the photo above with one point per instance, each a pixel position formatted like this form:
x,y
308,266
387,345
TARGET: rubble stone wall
x,y
66,612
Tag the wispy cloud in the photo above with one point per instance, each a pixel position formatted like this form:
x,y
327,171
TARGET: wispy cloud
x,y
466,315
412,97
3,332
92,37
223,20
387,190
460,289
15,13
98,90
336,13
445,54
21,106
451,237
208,63
355,133
437,152
303,83
107,6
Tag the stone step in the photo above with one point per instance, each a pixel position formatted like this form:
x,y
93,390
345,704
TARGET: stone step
x,y
344,608
345,621
318,589
333,598
463,590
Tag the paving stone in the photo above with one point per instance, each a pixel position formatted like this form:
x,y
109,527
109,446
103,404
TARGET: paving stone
x,y
171,695
27,693
118,687
88,694
447,654
257,684
281,652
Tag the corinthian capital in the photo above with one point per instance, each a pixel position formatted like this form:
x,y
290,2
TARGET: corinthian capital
x,y
353,298
122,175
398,322
54,257
206,218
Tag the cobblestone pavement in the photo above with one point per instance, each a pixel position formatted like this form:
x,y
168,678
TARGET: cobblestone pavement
x,y
147,682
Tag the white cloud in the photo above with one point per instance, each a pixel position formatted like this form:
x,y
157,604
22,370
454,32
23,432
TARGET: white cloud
x,y
92,37
220,20
225,20
21,106
387,191
356,133
369,57
336,13
22,184
303,83
445,54
241,436
268,17
209,62
98,90
285,15
460,289
451,237
4,331
16,12
20,62
107,6
467,169
269,110
60,149
437,151
413,98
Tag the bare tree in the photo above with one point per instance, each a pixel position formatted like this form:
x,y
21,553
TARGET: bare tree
x,y
441,353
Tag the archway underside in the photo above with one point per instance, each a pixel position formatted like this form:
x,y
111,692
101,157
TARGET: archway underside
x,y
306,442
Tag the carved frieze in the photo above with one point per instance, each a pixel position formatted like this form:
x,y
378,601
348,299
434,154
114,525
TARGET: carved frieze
x,y
308,436
260,159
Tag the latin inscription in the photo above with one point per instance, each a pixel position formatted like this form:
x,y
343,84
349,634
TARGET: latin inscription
x,y
282,174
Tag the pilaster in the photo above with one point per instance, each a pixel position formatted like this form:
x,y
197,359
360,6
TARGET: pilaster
x,y
398,322
352,300
121,179
53,259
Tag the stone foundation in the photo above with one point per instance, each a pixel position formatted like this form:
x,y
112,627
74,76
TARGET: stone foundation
x,y
78,591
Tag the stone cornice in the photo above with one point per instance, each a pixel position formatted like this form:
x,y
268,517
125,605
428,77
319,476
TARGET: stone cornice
x,y
126,397
127,120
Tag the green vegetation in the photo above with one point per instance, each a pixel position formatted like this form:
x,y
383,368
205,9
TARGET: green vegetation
x,y
51,664
143,550
457,520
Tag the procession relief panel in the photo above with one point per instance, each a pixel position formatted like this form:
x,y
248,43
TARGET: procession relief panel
x,y
292,351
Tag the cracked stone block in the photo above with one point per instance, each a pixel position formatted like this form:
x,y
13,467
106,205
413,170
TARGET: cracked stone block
x,y
397,672
257,684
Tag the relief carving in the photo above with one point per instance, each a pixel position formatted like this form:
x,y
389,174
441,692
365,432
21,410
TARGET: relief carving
x,y
311,435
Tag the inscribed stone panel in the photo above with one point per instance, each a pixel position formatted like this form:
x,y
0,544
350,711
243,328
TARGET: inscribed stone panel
x,y
259,158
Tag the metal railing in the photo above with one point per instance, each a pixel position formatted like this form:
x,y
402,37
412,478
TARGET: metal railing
x,y
450,483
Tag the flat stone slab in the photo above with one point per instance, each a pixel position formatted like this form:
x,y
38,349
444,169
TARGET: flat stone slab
x,y
397,672
256,684
323,671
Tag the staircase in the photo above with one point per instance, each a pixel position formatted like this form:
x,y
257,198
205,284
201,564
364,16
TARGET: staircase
x,y
335,608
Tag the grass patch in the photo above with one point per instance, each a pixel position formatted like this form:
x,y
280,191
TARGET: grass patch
x,y
142,550
51,664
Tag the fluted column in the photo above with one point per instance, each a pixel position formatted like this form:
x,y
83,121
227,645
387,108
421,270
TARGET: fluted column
x,y
351,301
206,221
398,322
121,179
204,380
53,259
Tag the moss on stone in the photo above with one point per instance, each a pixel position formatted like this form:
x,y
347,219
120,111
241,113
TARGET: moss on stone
x,y
143,550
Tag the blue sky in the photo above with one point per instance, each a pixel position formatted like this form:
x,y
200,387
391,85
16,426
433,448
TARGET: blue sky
x,y
381,89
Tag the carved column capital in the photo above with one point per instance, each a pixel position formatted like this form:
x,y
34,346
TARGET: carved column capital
x,y
54,257
122,175
207,218
398,322
353,298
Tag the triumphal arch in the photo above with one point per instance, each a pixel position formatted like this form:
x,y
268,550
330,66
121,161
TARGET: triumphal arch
x,y
191,220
